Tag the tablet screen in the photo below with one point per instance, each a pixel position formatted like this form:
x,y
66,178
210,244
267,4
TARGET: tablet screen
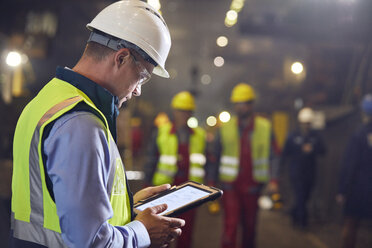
x,y
176,199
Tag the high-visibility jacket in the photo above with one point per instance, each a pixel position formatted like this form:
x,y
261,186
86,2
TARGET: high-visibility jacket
x,y
34,215
168,152
260,149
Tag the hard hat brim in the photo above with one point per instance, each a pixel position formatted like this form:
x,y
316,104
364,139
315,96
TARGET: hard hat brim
x,y
161,72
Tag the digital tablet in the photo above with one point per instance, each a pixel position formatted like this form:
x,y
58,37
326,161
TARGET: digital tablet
x,y
181,198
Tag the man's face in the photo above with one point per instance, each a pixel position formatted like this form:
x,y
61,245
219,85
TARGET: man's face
x,y
181,116
132,76
305,126
244,109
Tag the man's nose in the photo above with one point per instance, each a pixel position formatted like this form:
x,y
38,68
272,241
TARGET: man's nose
x,y
137,91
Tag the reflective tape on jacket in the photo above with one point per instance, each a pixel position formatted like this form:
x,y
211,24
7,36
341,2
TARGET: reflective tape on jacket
x,y
229,171
168,159
198,158
168,150
34,215
228,160
260,150
197,172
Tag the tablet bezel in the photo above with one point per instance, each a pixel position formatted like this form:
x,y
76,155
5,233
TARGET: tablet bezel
x,y
213,193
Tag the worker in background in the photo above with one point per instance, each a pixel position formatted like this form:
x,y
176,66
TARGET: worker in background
x,y
176,155
137,136
355,189
242,160
301,149
69,183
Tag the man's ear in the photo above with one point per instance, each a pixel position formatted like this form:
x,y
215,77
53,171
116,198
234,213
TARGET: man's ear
x,y
122,56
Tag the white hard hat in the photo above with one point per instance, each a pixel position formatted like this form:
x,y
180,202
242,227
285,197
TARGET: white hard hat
x,y
306,115
140,24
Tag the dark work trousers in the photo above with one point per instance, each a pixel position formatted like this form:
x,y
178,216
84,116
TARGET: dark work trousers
x,y
239,207
185,240
302,187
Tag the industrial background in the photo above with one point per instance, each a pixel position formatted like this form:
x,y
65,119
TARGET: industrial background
x,y
295,53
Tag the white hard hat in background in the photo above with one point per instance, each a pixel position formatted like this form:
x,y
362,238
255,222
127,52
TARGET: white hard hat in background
x,y
306,115
139,23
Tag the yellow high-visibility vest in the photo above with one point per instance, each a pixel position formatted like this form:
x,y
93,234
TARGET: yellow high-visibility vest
x,y
34,214
260,148
168,152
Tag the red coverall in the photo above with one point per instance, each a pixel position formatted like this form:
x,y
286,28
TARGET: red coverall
x,y
183,164
240,197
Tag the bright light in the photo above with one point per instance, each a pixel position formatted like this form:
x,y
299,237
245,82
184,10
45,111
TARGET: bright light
x,y
192,122
205,79
265,202
13,59
237,5
154,3
230,23
218,61
297,68
222,41
211,121
224,116
232,15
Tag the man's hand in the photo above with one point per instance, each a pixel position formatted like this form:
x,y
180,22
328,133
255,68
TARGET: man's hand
x,y
149,191
307,148
162,230
340,199
272,187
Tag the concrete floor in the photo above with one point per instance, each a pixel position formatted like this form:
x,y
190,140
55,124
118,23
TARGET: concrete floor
x,y
275,230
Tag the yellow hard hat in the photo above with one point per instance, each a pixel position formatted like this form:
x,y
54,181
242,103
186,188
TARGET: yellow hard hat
x,y
161,119
242,93
183,101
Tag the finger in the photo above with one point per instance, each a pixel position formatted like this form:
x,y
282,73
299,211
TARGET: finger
x,y
159,208
174,233
157,189
171,238
176,222
164,245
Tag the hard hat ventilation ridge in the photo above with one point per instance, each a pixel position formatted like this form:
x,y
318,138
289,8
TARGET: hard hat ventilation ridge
x,y
155,13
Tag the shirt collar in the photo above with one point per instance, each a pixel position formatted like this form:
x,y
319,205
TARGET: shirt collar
x,y
173,129
102,98
250,125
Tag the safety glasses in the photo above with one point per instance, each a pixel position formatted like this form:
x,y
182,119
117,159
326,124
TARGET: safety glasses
x,y
144,75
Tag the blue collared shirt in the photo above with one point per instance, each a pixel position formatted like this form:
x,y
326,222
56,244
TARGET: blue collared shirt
x,y
75,152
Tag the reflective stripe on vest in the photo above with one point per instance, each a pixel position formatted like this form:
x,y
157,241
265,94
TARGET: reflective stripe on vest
x,y
260,143
34,215
168,149
167,159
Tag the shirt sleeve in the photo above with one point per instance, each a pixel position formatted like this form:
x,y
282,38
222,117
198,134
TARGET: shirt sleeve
x,y
77,162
